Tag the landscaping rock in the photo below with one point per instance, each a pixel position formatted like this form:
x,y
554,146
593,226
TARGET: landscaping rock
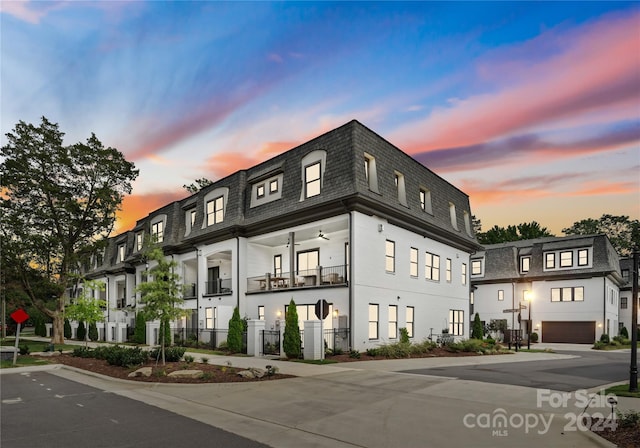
x,y
143,371
187,374
257,373
246,374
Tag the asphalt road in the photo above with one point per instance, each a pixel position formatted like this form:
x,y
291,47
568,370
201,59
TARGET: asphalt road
x,y
40,410
590,369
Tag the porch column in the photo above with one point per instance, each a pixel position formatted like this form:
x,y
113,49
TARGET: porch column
x,y
254,329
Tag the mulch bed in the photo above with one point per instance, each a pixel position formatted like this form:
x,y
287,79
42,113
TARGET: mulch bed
x,y
212,373
628,437
437,352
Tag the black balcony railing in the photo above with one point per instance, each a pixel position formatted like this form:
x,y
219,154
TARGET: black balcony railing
x,y
190,291
318,277
219,286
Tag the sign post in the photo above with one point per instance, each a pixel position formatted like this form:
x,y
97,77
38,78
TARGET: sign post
x,y
322,311
19,316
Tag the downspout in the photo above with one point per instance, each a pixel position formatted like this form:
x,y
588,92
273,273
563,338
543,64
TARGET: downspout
x,y
604,303
197,291
238,272
350,280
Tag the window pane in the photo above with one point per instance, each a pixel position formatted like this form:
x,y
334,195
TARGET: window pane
x,y
566,259
390,250
578,294
566,294
555,294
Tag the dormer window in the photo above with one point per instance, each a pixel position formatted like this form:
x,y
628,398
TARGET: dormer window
x,y
157,231
121,253
260,191
566,259
215,211
425,200
583,257
525,264
452,215
370,172
139,241
273,186
400,188
312,180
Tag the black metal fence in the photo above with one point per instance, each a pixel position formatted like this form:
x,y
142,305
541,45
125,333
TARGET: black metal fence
x,y
270,342
211,339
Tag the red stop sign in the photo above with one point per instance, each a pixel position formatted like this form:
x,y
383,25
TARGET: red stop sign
x,y
19,316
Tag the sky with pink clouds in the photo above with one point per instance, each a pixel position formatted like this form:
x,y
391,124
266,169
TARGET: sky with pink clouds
x,y
532,109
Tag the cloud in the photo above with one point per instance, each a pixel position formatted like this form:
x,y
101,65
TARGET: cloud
x,y
137,206
486,154
597,70
28,11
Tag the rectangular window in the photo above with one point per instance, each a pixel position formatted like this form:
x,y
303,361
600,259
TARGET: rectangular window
x,y
273,186
192,216
525,264
157,231
121,253
277,265
566,259
583,257
413,262
308,261
476,267
208,318
500,295
623,303
400,188
139,240
390,256
423,199
448,270
215,211
409,319
575,294
456,322
373,321
432,267
550,260
463,275
260,312
260,191
393,322
312,180
367,169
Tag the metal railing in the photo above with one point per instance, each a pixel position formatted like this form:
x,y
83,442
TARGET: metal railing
x,y
190,291
321,276
270,342
219,286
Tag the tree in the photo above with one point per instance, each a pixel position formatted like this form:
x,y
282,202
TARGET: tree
x,y
478,330
67,329
198,185
140,333
93,331
234,337
292,342
476,224
623,232
87,309
161,292
524,231
58,203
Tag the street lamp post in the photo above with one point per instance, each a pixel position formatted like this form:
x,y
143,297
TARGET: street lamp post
x,y
633,371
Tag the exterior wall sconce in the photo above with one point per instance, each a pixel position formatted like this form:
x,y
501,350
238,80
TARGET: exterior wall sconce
x,y
380,227
335,313
279,314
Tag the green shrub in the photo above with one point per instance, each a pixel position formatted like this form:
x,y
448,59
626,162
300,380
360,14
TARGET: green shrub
x,y
117,355
234,337
395,350
188,359
628,419
404,335
204,360
83,352
469,345
604,338
171,354
67,329
93,331
81,333
101,351
534,337
478,329
373,352
624,333
292,342
24,349
140,332
337,351
354,354
423,347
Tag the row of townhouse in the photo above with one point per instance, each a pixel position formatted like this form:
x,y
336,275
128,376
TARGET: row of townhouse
x,y
566,289
346,217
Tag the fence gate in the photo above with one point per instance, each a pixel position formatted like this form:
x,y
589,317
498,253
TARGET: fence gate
x,y
270,342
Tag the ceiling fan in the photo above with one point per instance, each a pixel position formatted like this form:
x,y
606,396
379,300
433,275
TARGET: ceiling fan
x,y
321,235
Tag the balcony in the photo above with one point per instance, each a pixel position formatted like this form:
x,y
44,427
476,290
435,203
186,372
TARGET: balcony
x,y
322,276
218,287
190,291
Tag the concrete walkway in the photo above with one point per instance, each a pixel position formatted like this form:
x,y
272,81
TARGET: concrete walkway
x,y
367,404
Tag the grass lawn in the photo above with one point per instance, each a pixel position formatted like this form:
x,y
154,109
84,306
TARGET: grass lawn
x,y
622,390
24,361
34,346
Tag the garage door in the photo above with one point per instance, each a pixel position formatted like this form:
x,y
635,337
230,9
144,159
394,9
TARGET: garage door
x,y
570,332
